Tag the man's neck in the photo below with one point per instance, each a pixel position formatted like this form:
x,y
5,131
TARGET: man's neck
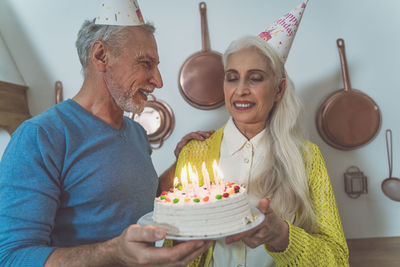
x,y
95,98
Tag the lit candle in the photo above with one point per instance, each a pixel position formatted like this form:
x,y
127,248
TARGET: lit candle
x,y
176,183
218,175
194,178
184,180
215,171
206,177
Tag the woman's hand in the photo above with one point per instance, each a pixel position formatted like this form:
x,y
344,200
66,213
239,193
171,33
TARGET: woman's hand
x,y
273,231
199,135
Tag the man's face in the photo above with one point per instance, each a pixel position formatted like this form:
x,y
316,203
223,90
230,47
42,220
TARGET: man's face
x,y
133,74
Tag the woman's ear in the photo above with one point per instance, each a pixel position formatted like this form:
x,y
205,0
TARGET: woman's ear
x,y
99,56
281,89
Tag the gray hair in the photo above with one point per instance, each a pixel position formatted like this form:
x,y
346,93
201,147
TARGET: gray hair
x,y
114,36
286,182
253,41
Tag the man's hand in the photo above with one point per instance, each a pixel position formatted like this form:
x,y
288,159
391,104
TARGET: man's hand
x,y
199,135
135,248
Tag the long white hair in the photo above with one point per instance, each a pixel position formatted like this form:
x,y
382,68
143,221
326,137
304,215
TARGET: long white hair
x,y
286,181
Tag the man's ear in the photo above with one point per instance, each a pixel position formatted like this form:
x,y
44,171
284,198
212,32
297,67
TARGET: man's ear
x,y
99,56
281,90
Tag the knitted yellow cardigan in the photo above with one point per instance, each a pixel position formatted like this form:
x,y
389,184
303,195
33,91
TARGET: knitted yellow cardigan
x,y
326,246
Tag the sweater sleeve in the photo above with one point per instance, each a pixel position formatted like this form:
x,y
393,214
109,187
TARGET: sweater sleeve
x,y
29,197
326,246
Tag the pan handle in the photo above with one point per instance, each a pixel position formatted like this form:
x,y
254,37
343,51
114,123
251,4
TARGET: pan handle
x,y
59,92
389,147
204,32
343,61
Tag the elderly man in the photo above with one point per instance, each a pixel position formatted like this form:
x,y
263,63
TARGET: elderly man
x,y
75,179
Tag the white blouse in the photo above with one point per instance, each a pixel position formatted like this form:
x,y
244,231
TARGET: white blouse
x,y
241,161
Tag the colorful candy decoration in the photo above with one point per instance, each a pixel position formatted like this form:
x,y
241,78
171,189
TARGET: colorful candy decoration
x,y
174,195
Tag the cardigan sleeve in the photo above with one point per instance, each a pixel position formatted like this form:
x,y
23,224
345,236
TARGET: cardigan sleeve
x,y
326,246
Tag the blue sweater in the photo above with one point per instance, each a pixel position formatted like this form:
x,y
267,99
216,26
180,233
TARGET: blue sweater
x,y
68,178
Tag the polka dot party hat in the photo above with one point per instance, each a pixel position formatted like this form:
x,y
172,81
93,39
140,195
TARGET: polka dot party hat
x,y
119,12
281,33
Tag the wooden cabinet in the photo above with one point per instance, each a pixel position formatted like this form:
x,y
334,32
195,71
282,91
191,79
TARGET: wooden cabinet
x,y
374,252
13,106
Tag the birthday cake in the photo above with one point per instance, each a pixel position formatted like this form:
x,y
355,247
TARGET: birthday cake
x,y
212,209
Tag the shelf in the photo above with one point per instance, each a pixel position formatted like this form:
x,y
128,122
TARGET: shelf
x,y
13,106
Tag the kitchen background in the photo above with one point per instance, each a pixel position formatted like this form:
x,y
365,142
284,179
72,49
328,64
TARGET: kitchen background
x,y
37,49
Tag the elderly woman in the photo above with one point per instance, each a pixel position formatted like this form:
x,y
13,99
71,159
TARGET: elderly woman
x,y
261,148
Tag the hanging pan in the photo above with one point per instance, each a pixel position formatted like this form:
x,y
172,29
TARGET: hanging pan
x,y
391,185
157,119
347,119
201,76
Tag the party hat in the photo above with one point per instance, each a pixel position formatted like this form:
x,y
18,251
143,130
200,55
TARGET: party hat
x,y
119,12
281,33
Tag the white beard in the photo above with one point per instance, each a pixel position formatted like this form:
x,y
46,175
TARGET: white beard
x,y
124,101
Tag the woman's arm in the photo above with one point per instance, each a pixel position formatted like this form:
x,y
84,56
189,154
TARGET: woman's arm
x,y
327,245
166,179
290,245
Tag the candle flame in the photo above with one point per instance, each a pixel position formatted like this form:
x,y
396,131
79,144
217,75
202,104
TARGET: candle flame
x,y
176,182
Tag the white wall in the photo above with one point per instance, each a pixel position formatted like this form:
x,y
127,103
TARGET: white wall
x,y
8,70
42,33
8,73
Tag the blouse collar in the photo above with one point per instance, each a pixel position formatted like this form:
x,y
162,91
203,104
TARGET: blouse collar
x,y
235,140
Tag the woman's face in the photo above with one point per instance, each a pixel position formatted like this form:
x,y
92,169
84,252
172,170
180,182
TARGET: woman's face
x,y
250,89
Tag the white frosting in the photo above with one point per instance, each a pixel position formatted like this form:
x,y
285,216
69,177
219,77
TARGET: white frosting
x,y
211,217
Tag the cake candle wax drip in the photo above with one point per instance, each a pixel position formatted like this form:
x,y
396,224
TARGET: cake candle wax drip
x,y
209,209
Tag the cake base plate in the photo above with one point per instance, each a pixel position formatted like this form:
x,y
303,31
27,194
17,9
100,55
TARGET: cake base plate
x,y
147,219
